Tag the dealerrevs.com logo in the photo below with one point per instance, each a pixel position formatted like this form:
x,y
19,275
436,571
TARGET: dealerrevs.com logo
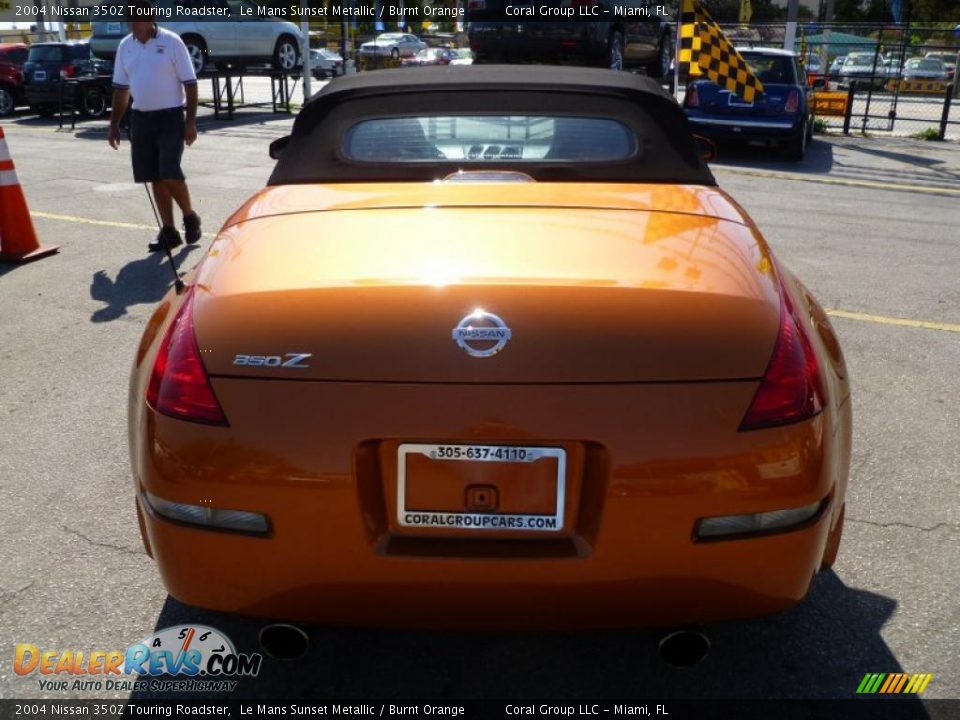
x,y
200,658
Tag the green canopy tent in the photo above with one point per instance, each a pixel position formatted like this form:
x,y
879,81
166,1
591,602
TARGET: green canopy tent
x,y
840,43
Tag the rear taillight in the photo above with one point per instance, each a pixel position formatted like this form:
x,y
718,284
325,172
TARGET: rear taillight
x,y
793,102
692,98
68,71
179,386
792,387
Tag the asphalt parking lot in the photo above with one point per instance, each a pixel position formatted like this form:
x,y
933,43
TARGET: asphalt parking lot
x,y
870,225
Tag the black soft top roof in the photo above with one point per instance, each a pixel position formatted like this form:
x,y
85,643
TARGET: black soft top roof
x,y
314,151
499,77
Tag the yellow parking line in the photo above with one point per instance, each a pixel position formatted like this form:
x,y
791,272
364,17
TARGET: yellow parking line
x,y
102,223
928,189
90,221
884,320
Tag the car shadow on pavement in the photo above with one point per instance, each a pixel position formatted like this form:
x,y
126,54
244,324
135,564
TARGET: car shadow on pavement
x,y
143,281
817,161
820,649
243,118
31,120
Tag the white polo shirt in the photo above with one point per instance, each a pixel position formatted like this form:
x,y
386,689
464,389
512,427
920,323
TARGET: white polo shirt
x,y
155,71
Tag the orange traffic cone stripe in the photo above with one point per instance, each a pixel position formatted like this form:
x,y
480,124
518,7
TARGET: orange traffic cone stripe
x,y
18,239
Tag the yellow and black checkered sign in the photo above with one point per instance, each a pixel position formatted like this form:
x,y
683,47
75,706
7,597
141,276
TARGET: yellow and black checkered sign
x,y
935,87
689,40
704,49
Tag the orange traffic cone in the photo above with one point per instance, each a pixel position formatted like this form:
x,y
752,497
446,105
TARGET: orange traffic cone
x,y
18,240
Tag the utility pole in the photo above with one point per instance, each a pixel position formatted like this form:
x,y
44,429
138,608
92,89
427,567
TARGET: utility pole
x,y
790,36
826,35
307,65
41,7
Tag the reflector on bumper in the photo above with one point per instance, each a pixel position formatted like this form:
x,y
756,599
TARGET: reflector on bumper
x,y
211,517
756,523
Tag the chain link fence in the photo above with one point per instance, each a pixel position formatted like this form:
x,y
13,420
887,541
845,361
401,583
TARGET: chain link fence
x,y
897,79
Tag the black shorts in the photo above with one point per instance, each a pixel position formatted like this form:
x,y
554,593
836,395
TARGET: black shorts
x,y
156,139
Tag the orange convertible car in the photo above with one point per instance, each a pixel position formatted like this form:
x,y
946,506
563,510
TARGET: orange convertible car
x,y
491,349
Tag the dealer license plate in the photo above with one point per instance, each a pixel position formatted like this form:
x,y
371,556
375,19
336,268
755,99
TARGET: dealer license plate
x,y
481,487
39,75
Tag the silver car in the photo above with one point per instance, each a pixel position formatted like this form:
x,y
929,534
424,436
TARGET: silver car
x,y
325,63
395,45
235,41
949,60
865,69
927,68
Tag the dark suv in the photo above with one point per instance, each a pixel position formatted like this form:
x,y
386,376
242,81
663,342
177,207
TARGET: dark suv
x,y
633,34
12,58
50,64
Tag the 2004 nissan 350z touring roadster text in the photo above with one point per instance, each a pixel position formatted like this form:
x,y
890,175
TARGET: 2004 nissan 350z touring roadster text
x,y
491,349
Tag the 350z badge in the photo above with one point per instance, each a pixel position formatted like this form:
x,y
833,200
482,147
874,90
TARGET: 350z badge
x,y
288,360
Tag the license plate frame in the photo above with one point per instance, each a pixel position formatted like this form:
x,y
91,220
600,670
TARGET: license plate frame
x,y
408,518
39,75
734,100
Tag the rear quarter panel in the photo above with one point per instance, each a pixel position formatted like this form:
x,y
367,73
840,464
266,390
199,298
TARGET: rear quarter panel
x,y
838,413
153,334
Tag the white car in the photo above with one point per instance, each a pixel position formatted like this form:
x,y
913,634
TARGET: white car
x,y
235,41
813,65
837,64
394,45
462,56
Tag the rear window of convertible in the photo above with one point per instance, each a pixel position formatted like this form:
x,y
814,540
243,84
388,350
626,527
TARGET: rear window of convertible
x,y
574,125
489,139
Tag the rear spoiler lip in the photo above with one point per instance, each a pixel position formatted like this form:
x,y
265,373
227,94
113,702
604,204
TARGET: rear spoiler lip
x,y
231,223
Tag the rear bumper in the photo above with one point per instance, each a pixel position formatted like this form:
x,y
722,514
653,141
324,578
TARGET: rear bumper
x,y
282,580
722,128
50,95
627,556
38,95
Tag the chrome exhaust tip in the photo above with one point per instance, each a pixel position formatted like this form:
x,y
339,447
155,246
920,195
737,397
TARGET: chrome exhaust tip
x,y
283,642
684,648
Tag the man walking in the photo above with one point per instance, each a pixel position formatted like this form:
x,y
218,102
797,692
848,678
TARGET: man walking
x,y
153,66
